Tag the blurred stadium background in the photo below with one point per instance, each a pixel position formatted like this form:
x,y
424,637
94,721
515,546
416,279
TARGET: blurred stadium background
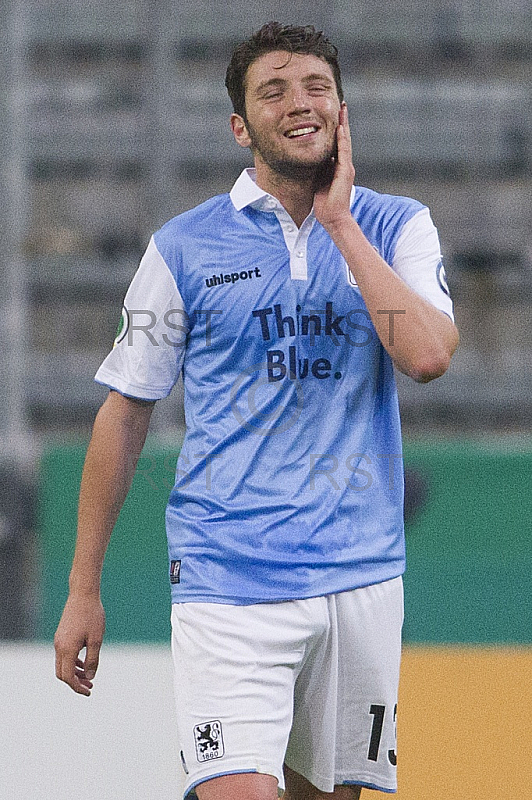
x,y
114,118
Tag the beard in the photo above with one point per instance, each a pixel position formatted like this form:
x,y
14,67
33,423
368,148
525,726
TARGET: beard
x,y
318,172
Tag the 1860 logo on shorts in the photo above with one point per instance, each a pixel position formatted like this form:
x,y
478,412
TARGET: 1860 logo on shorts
x,y
209,740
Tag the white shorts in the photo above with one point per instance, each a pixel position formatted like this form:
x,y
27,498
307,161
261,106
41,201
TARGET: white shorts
x,y
310,683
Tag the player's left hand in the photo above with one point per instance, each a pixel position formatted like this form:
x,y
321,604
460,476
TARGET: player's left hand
x,y
332,202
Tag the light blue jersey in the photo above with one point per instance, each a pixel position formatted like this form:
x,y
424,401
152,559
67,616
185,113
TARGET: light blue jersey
x,y
289,483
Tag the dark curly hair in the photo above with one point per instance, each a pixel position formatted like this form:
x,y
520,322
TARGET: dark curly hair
x,y
274,36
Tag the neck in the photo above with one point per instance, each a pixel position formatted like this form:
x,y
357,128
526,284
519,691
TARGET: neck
x,y
295,195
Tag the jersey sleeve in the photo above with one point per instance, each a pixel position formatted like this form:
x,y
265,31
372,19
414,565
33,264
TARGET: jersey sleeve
x,y
418,261
149,348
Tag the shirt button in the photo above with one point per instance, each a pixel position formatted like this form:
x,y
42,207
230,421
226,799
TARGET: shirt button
x,y
300,254
290,228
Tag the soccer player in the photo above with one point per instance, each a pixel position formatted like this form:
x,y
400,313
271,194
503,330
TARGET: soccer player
x,y
286,304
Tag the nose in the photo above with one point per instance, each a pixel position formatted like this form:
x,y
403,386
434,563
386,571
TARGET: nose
x,y
299,101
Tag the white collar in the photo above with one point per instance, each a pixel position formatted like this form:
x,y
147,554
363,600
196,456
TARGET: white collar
x,y
245,192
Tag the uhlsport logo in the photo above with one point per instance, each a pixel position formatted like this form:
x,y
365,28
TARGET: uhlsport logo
x,y
232,277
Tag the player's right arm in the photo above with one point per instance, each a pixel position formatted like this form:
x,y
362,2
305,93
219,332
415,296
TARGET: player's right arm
x,y
117,439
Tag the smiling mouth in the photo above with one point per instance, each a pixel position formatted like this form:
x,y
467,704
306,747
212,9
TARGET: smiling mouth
x,y
301,131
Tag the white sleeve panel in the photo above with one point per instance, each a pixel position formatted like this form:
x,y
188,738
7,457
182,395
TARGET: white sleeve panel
x,y
150,346
418,261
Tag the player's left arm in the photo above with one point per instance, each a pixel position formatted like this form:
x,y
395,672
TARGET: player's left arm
x,y
420,339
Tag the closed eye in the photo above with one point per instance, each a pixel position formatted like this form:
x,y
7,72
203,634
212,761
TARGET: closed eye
x,y
318,88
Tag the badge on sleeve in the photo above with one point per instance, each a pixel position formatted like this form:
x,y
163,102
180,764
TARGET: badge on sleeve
x,y
123,326
442,279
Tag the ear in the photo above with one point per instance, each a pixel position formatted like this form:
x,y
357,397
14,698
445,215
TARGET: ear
x,y
240,131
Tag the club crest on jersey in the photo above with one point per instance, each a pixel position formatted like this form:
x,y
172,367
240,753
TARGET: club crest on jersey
x,y
123,326
209,740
